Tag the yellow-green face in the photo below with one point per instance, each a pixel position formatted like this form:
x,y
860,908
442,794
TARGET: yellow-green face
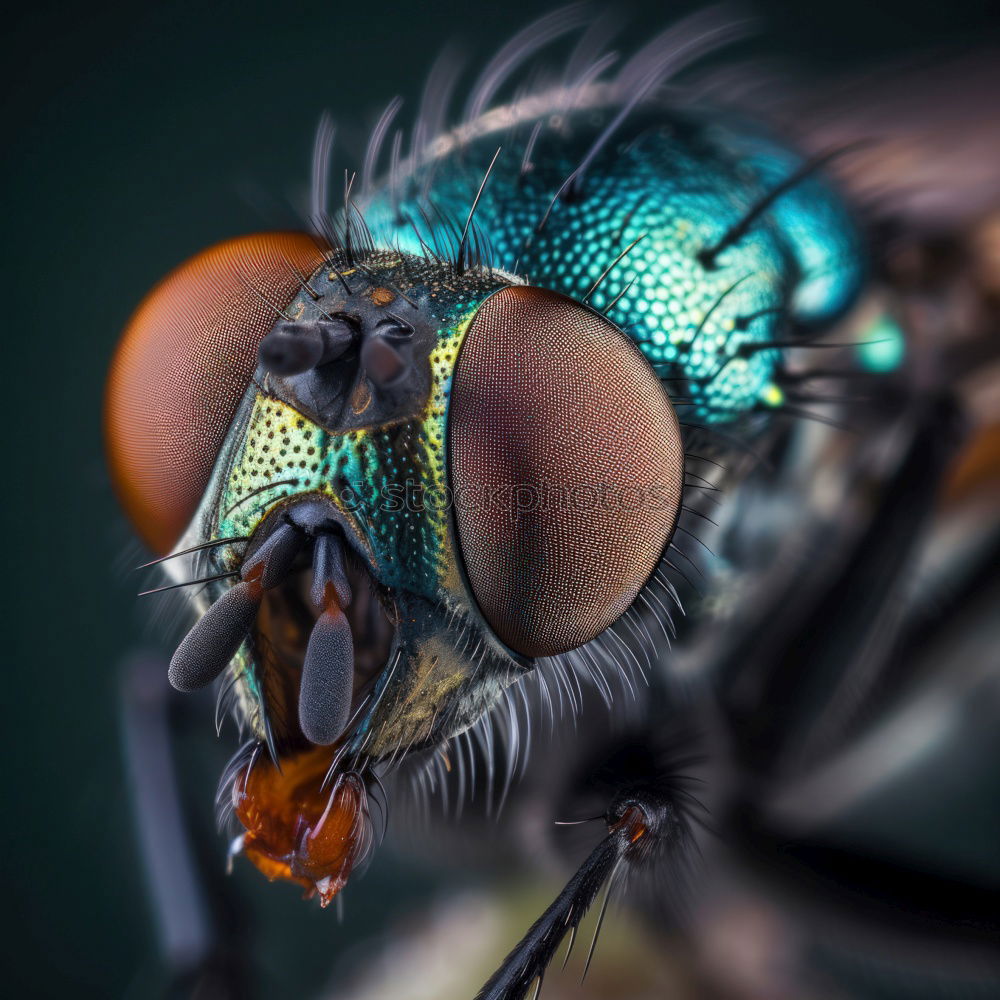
x,y
384,474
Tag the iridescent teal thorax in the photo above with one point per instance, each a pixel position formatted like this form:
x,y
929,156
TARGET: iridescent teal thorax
x,y
677,187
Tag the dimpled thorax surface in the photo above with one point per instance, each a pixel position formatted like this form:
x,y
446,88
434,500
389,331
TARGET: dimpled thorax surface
x,y
677,187
566,465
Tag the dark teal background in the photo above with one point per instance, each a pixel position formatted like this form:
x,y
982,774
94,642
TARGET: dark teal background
x,y
134,136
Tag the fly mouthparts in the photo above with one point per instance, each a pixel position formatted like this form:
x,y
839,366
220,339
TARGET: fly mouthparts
x,y
327,678
327,681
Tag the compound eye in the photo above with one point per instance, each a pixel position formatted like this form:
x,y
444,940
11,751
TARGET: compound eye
x,y
181,367
566,465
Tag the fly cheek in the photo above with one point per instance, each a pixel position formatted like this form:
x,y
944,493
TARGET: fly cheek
x,y
181,368
566,466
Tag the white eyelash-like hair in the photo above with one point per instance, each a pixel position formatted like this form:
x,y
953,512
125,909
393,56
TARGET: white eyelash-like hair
x,y
617,665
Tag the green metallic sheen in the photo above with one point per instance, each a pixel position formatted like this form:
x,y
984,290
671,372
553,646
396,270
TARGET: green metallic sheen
x,y
276,455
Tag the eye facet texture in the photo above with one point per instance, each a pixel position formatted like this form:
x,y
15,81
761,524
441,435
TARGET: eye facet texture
x,y
181,367
567,467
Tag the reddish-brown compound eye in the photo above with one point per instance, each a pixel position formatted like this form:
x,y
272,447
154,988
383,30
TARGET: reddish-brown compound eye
x,y
183,363
566,465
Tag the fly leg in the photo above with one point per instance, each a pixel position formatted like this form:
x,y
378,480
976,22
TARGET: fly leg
x,y
644,824
203,944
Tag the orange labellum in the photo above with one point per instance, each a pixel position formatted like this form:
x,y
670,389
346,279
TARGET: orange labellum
x,y
296,828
